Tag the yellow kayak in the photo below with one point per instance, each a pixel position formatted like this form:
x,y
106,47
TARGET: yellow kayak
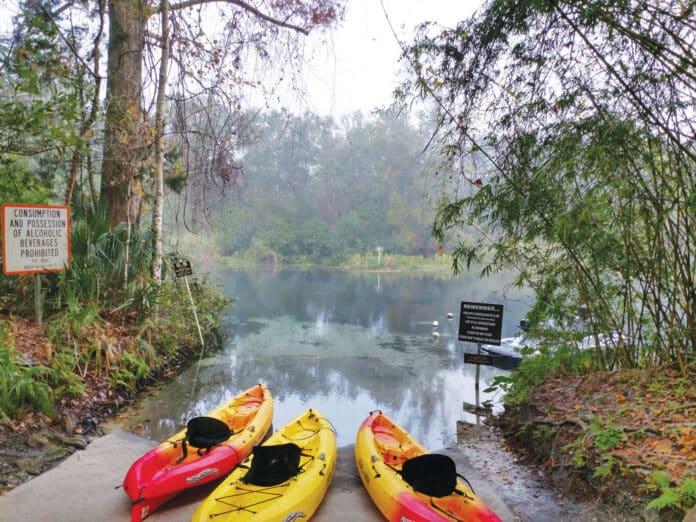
x,y
206,450
406,482
284,479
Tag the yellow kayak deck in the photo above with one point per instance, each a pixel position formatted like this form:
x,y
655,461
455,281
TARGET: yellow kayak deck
x,y
251,493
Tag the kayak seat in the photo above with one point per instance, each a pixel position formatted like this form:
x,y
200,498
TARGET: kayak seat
x,y
203,433
273,464
432,474
206,432
240,418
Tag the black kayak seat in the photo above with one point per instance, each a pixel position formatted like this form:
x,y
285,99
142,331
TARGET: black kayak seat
x,y
432,474
203,433
206,432
273,464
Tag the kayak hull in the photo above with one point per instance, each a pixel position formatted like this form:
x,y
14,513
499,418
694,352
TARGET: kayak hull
x,y
163,472
296,498
381,448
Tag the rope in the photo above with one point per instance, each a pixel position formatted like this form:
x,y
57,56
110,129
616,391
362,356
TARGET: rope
x,y
236,508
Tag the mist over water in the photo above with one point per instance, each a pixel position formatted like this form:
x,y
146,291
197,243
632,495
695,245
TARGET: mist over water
x,y
345,344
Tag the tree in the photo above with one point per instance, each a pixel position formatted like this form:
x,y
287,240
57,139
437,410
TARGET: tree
x,y
124,130
246,28
304,175
580,117
44,102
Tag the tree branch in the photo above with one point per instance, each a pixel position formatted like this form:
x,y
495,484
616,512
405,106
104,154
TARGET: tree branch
x,y
251,9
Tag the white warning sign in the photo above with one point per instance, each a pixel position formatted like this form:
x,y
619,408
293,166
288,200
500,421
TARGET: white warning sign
x,y
35,238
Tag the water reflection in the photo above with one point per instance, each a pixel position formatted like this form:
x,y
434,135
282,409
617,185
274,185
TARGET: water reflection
x,y
345,344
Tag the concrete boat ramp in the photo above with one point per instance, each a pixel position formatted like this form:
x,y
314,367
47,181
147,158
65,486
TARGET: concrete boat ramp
x,y
87,488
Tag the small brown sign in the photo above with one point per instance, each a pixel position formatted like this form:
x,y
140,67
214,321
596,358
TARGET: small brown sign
x,y
477,358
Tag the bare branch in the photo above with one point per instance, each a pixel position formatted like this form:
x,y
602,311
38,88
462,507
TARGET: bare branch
x,y
246,7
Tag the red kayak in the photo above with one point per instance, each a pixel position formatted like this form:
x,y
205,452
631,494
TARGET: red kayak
x,y
206,450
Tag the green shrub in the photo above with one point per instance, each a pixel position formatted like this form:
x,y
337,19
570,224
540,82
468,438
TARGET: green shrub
x,y
21,386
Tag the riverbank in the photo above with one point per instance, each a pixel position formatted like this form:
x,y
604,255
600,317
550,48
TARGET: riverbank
x,y
626,439
582,443
357,262
34,440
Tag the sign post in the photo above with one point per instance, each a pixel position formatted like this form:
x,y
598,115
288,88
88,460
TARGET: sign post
x,y
480,323
35,240
182,268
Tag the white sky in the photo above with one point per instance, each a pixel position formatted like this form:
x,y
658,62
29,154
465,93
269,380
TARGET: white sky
x,y
359,71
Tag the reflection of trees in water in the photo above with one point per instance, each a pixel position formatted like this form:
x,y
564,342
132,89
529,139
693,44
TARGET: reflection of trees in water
x,y
322,335
408,386
405,302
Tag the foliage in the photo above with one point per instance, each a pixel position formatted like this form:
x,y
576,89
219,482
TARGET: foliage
x,y
533,370
677,499
98,265
18,184
609,427
569,169
21,386
311,189
606,436
39,104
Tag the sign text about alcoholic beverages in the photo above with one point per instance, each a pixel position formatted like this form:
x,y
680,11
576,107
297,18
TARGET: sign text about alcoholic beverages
x,y
35,238
480,323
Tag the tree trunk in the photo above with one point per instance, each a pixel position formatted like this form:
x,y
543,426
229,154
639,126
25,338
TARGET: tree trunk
x,y
124,123
74,165
158,202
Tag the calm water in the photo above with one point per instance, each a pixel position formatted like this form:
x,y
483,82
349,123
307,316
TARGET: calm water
x,y
345,344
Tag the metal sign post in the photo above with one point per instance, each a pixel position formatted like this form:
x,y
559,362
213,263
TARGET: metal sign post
x,y
478,373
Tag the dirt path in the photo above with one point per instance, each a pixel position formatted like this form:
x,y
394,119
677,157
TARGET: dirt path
x,y
524,487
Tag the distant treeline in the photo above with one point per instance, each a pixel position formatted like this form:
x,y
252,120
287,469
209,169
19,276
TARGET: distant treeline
x,y
308,188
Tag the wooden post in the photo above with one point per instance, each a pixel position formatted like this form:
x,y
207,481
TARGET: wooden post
x,y
200,335
195,314
38,306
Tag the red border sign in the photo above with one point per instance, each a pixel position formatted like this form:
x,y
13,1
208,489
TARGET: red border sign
x,y
35,238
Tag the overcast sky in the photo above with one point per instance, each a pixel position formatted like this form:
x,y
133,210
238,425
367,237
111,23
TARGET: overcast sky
x,y
358,70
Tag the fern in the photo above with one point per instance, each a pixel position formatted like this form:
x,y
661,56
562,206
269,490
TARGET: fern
x,y
23,387
669,499
679,499
688,492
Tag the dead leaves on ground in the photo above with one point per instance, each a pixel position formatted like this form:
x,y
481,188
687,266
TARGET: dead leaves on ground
x,y
654,408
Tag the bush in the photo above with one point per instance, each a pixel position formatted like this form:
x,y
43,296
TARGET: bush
x,y
21,386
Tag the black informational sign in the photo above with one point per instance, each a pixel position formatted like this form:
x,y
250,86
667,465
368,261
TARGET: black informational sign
x,y
481,323
182,268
